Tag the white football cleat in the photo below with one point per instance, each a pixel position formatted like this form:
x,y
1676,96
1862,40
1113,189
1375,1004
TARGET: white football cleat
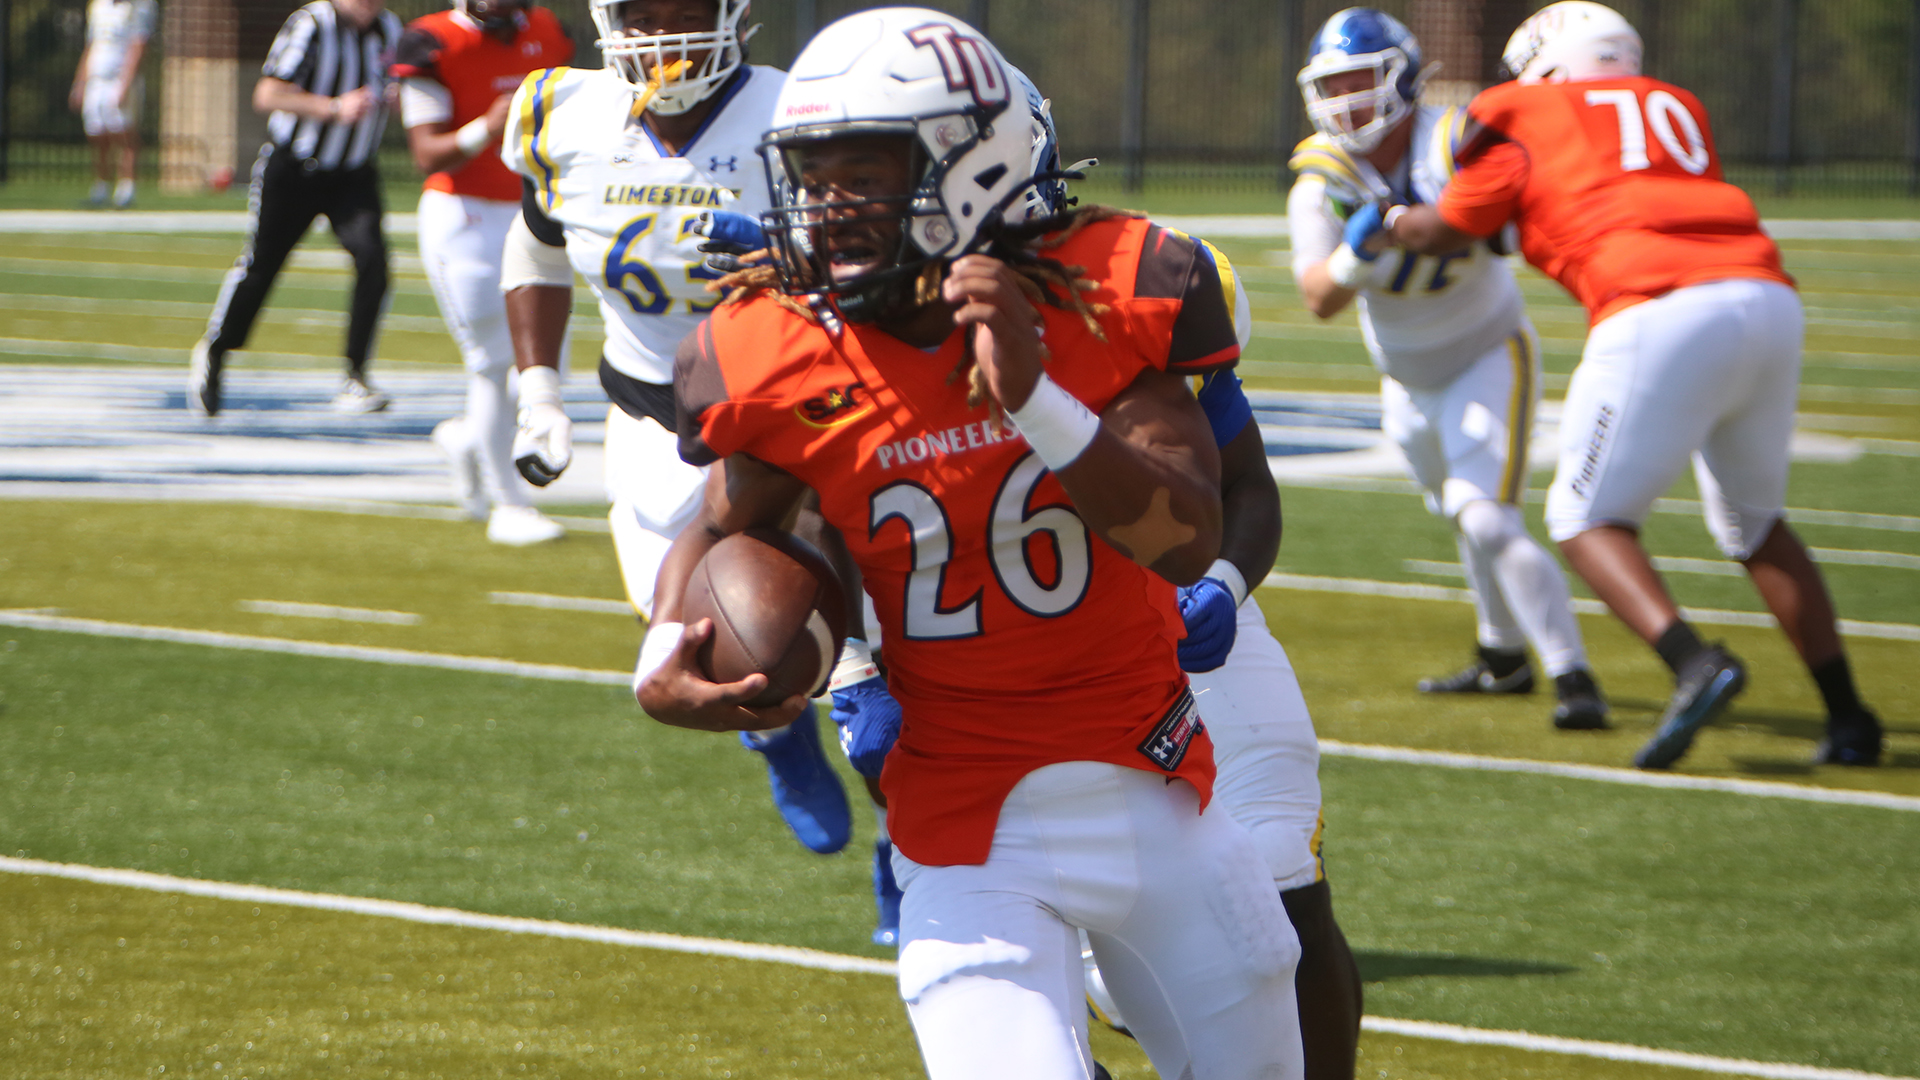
x,y
358,396
463,466
203,379
519,526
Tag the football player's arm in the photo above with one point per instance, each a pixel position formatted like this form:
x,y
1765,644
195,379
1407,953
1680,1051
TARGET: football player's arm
x,y
76,97
537,283
1144,474
741,493
1481,198
1250,530
863,708
1316,234
1249,506
130,65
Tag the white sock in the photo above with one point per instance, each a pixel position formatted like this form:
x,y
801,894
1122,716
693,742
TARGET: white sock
x,y
1529,581
1494,622
490,424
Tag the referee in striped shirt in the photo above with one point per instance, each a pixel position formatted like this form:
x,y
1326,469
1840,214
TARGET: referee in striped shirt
x,y
324,84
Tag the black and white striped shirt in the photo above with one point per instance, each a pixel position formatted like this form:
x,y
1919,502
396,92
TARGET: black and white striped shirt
x,y
323,53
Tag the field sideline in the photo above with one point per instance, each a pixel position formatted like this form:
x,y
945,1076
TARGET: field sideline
x,y
262,654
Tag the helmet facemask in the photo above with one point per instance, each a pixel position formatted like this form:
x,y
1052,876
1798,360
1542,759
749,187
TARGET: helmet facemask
x,y
896,237
675,72
1333,113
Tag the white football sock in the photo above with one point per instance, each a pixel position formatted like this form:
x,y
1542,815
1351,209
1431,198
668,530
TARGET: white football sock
x,y
490,420
1529,582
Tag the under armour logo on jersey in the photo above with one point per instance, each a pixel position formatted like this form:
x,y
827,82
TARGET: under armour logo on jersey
x,y
730,164
530,48
966,61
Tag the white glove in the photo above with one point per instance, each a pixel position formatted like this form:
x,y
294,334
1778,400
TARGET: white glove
x,y
543,445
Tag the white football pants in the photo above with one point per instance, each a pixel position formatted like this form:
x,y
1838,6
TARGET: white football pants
x,y
1466,443
654,496
1184,920
1264,748
1710,372
461,238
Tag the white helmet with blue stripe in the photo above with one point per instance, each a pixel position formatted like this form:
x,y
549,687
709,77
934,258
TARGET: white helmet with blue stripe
x,y
1362,39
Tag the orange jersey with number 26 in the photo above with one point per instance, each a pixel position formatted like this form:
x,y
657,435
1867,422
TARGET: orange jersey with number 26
x,y
1015,637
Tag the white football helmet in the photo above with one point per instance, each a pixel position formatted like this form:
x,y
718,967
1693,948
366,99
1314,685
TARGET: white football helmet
x,y
637,57
1573,41
937,84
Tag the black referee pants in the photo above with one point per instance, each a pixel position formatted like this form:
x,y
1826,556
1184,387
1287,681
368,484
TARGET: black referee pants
x,y
283,201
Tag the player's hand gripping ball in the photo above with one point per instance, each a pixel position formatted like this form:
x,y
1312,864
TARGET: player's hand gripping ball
x,y
1208,609
777,609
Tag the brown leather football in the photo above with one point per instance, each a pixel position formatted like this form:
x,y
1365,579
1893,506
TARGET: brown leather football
x,y
777,608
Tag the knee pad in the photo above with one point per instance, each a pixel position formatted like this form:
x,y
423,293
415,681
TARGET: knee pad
x,y
1490,526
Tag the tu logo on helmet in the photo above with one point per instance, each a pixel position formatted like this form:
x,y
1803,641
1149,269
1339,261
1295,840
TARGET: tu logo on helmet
x,y
966,61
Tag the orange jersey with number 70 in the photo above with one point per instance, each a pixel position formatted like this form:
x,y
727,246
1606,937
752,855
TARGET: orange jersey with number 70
x,y
1615,187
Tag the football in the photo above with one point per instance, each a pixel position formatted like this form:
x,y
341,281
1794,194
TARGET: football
x,y
777,608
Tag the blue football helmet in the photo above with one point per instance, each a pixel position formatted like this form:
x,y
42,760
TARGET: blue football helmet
x,y
1362,39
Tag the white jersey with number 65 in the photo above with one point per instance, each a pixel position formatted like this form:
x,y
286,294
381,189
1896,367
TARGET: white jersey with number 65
x,y
628,208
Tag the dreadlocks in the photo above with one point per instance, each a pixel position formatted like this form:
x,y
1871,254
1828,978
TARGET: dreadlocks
x,y
1044,280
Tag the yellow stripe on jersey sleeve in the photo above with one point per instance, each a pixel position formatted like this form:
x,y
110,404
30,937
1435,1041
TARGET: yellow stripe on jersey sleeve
x,y
1317,155
1224,267
536,106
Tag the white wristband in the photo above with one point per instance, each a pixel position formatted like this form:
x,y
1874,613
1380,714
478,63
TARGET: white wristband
x,y
1230,576
540,385
1055,423
856,665
656,648
473,138
1346,269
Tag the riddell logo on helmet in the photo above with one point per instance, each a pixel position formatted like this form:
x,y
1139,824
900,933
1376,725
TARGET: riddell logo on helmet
x,y
811,108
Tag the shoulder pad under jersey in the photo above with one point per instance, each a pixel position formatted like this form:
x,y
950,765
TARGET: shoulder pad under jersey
x,y
1348,181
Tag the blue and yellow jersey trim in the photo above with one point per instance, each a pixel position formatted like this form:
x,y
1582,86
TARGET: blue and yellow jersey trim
x,y
1318,156
1522,347
536,107
1453,123
1225,403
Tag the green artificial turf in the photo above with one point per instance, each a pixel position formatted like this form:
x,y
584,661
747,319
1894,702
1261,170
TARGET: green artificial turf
x,y
1701,921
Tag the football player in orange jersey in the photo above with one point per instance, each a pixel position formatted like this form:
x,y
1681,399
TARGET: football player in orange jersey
x,y
458,70
1024,476
1694,349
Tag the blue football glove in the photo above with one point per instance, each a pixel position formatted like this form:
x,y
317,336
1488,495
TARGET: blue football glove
x,y
731,232
1209,611
1366,222
869,721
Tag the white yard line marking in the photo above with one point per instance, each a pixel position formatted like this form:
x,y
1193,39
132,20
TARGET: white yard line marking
x,y
562,603
1672,564
439,916
1766,789
480,664
1606,774
328,611
1524,1040
1866,558
1705,616
826,961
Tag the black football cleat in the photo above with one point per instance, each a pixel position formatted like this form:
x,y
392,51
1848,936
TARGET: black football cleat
x,y
1484,676
1853,738
1705,688
1580,708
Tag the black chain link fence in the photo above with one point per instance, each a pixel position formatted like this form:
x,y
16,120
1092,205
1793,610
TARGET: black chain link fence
x,y
1199,95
